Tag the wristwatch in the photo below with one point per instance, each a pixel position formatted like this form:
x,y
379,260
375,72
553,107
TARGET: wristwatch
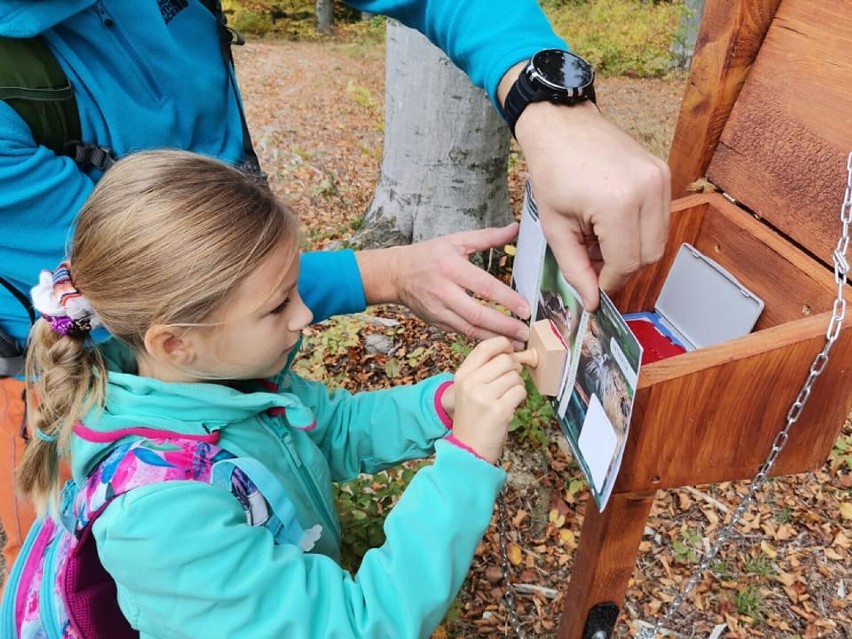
x,y
551,75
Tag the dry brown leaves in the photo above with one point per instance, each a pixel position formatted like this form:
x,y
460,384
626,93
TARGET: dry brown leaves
x,y
316,110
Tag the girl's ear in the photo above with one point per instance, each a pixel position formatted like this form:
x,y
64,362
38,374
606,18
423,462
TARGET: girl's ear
x,y
170,345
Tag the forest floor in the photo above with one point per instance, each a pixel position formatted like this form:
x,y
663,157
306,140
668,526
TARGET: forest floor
x,y
316,111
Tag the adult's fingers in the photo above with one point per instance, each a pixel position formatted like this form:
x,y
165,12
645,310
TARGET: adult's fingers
x,y
566,242
464,314
654,216
488,287
483,239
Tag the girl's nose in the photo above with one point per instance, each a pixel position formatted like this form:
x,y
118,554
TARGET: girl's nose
x,y
302,318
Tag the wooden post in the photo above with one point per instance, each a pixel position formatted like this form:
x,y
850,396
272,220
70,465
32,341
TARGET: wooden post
x,y
604,562
728,41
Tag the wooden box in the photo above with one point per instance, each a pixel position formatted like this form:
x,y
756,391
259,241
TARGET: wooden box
x,y
767,119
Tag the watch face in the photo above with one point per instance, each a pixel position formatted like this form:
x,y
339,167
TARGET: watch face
x,y
562,70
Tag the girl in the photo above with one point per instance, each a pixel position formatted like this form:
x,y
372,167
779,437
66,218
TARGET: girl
x,y
192,267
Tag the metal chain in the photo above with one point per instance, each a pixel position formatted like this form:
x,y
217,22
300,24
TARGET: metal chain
x,y
841,271
509,596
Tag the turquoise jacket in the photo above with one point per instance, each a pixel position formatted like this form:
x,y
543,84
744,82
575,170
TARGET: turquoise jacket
x,y
149,74
188,565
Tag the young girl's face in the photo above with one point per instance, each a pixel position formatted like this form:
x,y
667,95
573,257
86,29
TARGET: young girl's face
x,y
261,321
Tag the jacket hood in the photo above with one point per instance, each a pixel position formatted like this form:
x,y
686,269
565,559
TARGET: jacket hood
x,y
186,408
27,18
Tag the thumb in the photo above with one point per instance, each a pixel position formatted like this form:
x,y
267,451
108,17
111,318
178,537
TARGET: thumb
x,y
572,255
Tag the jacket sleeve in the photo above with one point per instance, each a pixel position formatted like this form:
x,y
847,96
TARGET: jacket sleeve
x,y
368,432
330,283
187,564
40,195
482,37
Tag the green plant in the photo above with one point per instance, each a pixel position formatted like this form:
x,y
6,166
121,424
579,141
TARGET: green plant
x,y
360,95
333,337
749,602
363,504
760,565
784,516
684,548
327,187
533,416
720,568
841,453
620,37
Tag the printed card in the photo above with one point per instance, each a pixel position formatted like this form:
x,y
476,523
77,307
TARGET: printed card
x,y
594,403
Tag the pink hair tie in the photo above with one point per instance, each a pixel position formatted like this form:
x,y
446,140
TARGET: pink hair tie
x,y
61,305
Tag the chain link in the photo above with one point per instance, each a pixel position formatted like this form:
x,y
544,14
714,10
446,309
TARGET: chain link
x,y
841,272
509,596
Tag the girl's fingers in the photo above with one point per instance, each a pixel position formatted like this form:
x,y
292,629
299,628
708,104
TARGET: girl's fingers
x,y
486,351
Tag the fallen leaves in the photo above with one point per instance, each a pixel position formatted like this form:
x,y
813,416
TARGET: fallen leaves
x,y
317,113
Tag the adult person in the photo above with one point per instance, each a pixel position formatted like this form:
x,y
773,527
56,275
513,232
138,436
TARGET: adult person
x,y
150,74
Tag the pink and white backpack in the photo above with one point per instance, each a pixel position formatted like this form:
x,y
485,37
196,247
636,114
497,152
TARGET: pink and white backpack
x,y
58,589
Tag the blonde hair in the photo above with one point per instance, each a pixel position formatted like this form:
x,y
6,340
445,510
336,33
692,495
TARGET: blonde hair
x,y
162,240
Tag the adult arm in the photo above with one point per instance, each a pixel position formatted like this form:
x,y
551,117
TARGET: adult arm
x,y
434,279
187,565
604,200
40,196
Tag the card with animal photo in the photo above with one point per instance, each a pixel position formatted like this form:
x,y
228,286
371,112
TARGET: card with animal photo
x,y
594,412
594,401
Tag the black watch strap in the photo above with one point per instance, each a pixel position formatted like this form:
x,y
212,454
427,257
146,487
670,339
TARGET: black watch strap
x,y
519,96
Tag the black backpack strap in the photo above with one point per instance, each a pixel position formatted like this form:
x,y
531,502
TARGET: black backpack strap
x,y
229,37
11,355
33,83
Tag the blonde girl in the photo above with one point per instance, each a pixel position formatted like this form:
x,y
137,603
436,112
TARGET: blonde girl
x,y
191,267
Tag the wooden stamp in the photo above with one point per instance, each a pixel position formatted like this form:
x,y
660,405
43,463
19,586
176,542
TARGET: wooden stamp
x,y
545,357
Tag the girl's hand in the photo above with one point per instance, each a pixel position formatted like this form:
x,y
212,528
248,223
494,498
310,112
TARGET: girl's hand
x,y
487,390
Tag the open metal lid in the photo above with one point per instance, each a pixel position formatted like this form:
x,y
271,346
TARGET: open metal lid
x,y
703,304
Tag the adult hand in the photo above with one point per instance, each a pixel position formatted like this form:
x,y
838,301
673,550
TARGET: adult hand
x,y
603,200
488,388
434,279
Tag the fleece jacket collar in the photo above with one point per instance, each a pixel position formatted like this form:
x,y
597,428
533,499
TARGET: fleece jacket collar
x,y
133,401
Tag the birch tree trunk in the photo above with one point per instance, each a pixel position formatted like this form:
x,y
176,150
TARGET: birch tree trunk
x,y
325,15
445,150
684,45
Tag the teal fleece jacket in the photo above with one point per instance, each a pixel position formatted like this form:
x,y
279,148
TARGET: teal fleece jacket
x,y
149,74
188,565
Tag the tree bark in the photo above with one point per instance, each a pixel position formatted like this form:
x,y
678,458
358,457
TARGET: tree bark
x,y
445,150
325,15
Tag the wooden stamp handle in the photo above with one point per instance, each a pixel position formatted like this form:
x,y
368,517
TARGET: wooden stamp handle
x,y
528,357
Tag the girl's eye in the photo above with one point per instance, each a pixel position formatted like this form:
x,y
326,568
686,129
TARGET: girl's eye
x,y
278,309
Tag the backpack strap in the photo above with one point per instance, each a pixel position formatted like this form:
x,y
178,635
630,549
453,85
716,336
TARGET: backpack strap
x,y
33,83
12,355
229,37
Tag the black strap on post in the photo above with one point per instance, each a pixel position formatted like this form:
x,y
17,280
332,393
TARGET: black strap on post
x,y
601,621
